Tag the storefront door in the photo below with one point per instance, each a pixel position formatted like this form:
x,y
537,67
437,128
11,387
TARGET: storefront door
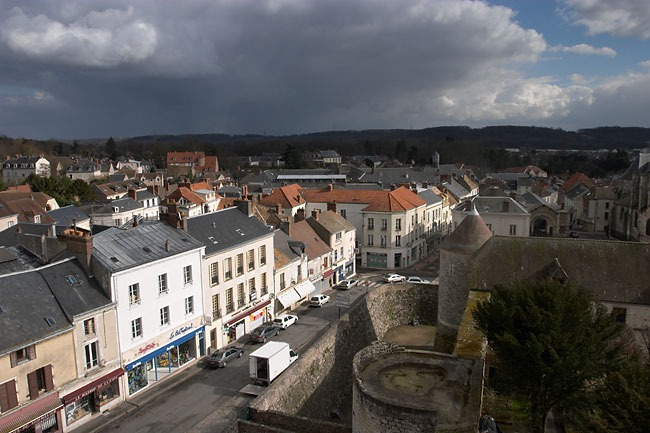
x,y
239,330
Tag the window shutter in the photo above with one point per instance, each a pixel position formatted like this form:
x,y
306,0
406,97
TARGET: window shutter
x,y
4,398
33,385
12,396
13,359
31,352
49,383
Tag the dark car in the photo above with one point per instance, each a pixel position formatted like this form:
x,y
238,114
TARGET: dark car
x,y
262,333
221,357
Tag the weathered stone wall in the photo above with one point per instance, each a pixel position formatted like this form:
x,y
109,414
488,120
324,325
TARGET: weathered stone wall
x,y
321,379
296,423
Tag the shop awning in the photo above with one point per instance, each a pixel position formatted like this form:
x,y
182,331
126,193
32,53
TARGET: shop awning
x,y
305,288
245,313
288,297
30,413
163,349
328,274
92,386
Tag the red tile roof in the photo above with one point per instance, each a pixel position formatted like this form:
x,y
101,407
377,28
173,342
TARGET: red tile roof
x,y
211,164
288,196
575,180
184,157
379,201
200,185
185,193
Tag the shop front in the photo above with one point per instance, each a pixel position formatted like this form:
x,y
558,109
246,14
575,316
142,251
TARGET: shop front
x,y
41,416
349,268
172,352
377,260
243,322
93,398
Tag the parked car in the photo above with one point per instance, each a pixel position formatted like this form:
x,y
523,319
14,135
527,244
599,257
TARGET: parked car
x,y
347,284
262,333
319,300
417,280
221,357
394,278
284,321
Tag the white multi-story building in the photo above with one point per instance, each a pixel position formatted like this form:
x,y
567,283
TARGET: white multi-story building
x,y
389,224
17,170
237,271
290,273
153,274
504,216
339,235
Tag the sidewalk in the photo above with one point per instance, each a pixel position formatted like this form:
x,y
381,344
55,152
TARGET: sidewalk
x,y
113,415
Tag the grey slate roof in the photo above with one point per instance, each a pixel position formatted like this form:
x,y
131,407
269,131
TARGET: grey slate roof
x,y
494,205
287,246
27,301
225,229
64,215
429,196
399,175
455,189
117,250
575,192
76,293
124,204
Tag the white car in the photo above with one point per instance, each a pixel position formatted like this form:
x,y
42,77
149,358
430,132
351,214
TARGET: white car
x,y
347,284
394,278
319,300
284,321
417,280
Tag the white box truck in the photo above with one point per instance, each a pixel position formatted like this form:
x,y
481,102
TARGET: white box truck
x,y
267,362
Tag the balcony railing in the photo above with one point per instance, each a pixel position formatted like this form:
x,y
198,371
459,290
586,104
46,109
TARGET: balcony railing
x,y
216,314
230,308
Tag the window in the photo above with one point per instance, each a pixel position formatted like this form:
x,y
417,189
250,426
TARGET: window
x,y
324,262
136,328
214,274
371,223
383,241
187,274
384,224
263,255
250,256
89,326
513,229
265,289
134,294
489,226
282,281
40,381
25,354
398,241
8,396
398,224
336,255
370,240
118,222
164,316
606,205
227,269
606,216
620,314
338,237
91,355
162,284
240,295
252,292
229,304
216,311
343,213
189,305
240,264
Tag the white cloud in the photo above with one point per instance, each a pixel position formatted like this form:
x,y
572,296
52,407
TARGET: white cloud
x,y
645,63
585,49
99,39
580,79
620,17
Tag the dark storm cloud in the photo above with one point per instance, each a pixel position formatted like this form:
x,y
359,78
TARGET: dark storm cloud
x,y
119,68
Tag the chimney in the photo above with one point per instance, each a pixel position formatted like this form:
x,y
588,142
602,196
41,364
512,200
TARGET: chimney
x,y
278,209
513,194
80,244
244,191
132,193
506,206
172,215
168,246
300,215
314,214
245,206
135,221
425,184
53,230
393,187
330,187
184,223
332,206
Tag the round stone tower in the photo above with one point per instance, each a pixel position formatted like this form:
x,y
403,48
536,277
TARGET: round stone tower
x,y
435,159
456,254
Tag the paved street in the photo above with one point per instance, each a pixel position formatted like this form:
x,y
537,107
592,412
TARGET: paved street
x,y
199,399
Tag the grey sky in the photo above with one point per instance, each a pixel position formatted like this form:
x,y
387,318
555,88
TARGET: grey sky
x,y
92,69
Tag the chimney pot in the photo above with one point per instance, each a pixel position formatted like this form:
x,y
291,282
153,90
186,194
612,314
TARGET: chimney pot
x,y
314,214
168,246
